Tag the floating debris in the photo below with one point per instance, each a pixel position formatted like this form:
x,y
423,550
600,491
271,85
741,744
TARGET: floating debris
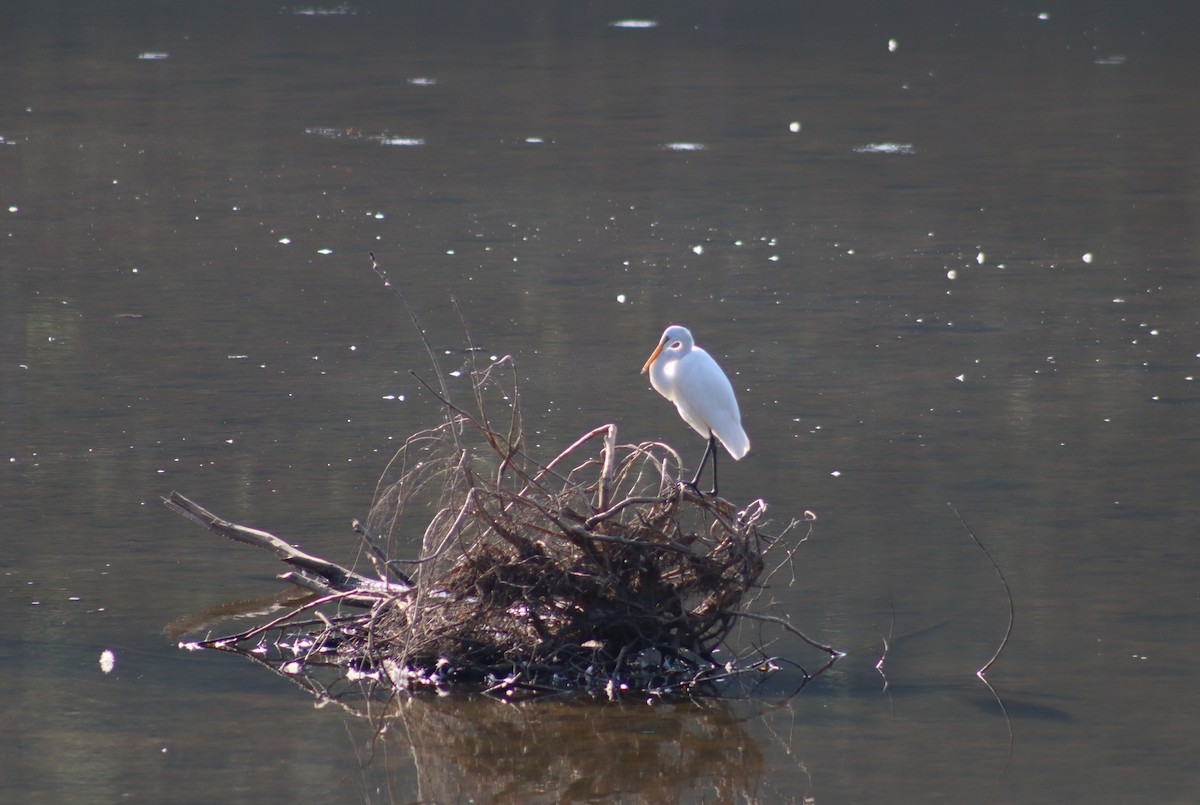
x,y
596,574
340,10
354,134
406,142
885,148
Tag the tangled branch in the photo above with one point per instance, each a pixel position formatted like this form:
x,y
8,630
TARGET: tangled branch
x,y
595,571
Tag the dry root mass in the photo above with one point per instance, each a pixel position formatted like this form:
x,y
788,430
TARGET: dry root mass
x,y
595,571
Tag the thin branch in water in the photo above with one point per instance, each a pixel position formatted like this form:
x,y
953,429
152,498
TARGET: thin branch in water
x,y
981,673
886,642
786,624
274,622
1007,591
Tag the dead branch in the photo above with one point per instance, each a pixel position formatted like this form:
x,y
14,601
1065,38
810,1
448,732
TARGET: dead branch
x,y
334,577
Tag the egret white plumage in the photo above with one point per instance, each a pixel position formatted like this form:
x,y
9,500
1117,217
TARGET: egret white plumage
x,y
689,377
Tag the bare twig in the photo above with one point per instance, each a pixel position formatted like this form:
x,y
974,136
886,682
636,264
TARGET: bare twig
x,y
832,652
387,283
1007,591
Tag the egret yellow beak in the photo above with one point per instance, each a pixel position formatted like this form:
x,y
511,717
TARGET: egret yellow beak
x,y
653,357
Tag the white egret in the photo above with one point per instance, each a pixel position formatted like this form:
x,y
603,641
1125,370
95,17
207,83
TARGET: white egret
x,y
689,377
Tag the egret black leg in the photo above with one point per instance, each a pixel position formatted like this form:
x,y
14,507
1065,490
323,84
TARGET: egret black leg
x,y
709,450
712,448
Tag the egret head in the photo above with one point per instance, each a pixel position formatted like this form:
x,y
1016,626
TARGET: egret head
x,y
674,339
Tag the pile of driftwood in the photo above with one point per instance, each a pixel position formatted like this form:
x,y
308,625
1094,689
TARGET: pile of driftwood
x,y
595,571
